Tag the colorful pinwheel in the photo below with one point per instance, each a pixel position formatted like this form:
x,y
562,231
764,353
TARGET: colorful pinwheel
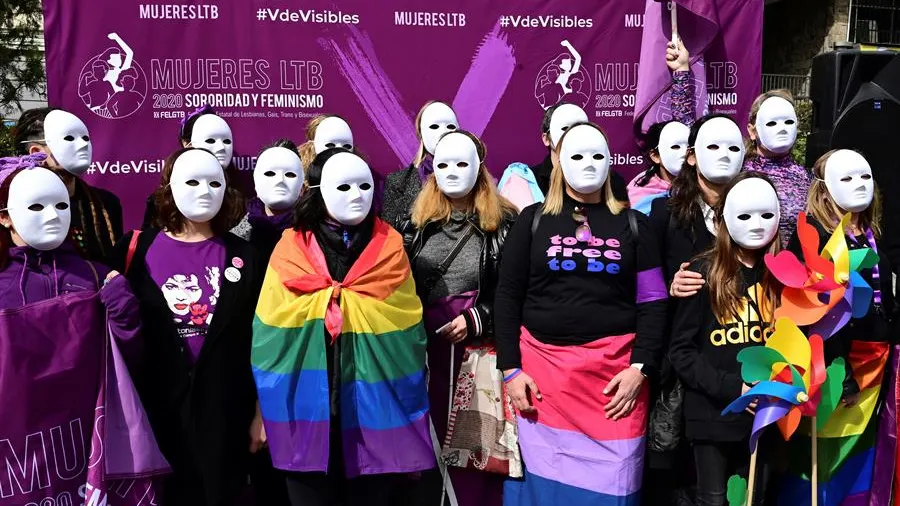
x,y
826,290
790,381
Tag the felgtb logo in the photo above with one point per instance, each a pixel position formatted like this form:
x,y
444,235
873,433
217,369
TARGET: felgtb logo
x,y
112,84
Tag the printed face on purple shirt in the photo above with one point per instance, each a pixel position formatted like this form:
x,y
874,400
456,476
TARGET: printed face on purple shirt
x,y
181,292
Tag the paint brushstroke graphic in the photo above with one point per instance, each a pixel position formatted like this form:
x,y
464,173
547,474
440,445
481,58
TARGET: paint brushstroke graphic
x,y
376,92
476,99
485,82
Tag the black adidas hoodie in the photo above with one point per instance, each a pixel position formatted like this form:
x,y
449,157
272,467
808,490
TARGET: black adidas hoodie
x,y
704,354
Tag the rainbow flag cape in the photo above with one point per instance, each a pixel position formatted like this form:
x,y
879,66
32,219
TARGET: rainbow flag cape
x,y
377,317
846,443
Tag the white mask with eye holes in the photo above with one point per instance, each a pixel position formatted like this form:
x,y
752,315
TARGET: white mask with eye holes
x,y
563,117
39,208
456,165
332,132
752,214
278,178
213,134
584,158
67,137
848,178
347,188
198,185
437,119
719,149
776,125
673,141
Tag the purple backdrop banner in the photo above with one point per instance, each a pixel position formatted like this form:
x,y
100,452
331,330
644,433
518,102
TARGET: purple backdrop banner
x,y
268,66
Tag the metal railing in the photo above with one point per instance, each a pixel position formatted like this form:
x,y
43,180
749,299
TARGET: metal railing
x,y
798,85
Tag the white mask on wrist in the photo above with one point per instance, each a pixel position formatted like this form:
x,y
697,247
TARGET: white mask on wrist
x,y
332,132
719,149
198,185
673,141
213,134
752,213
347,188
848,178
584,159
776,125
278,178
68,140
39,208
437,119
562,118
456,165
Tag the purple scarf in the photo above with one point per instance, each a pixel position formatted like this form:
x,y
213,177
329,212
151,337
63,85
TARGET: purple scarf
x,y
426,168
256,215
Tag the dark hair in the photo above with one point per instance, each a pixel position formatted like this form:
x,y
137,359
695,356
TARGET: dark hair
x,y
281,143
29,127
651,146
310,210
187,129
168,217
548,115
5,235
685,191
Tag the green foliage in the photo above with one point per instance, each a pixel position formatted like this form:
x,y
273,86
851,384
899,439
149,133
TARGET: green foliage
x,y
804,118
21,51
6,140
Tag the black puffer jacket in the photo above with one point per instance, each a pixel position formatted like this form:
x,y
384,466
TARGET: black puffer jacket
x,y
400,191
488,267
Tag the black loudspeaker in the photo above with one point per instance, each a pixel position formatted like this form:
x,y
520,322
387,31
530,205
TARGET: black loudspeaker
x,y
841,79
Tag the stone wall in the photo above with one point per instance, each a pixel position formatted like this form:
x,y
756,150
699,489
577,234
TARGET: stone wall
x,y
796,30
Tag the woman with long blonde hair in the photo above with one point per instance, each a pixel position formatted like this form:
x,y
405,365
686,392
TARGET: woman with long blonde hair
x,y
732,311
843,184
434,120
454,238
580,314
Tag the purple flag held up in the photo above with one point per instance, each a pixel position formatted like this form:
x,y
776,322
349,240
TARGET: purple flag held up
x,y
717,33
65,443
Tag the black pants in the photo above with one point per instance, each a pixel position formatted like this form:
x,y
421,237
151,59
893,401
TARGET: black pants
x,y
717,462
321,489
268,484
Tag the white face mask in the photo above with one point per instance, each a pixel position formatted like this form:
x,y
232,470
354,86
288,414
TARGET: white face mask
x,y
347,188
68,140
278,178
584,158
437,119
333,132
563,117
198,185
719,150
673,141
39,208
752,214
848,178
456,165
776,125
213,134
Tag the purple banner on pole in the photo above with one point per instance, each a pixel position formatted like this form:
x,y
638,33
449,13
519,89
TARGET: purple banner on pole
x,y
132,70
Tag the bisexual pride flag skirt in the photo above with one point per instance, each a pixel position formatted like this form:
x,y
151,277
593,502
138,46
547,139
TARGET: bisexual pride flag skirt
x,y
377,315
573,455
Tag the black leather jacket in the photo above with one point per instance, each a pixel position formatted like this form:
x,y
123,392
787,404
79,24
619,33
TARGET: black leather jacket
x,y
488,267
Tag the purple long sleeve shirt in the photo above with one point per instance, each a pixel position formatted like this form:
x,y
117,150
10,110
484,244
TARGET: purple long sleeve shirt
x,y
32,276
792,182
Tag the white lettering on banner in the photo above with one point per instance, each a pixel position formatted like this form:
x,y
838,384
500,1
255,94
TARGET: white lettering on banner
x,y
723,99
129,167
172,74
616,76
634,20
547,21
721,75
177,11
28,470
412,18
307,16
